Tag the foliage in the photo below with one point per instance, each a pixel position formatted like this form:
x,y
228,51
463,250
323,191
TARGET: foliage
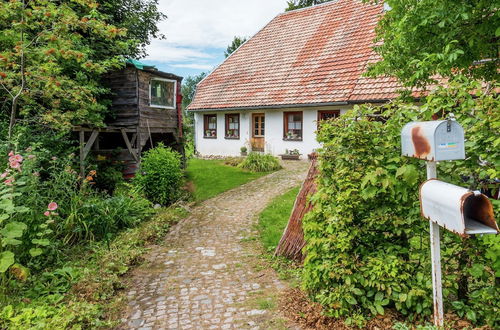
x,y
297,4
82,292
256,162
49,70
292,152
138,17
367,245
235,44
244,149
274,218
188,92
109,174
428,37
160,175
211,177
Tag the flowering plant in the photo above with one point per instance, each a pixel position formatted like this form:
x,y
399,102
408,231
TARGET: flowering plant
x,y
12,185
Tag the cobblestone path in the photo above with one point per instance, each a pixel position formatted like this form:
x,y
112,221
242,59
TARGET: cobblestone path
x,y
207,274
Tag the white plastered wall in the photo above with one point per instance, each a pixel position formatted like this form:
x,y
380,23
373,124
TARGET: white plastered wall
x,y
274,142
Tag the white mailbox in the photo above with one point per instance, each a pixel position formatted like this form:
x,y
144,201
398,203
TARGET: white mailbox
x,y
433,140
457,209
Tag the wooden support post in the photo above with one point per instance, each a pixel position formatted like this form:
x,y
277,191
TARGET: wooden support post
x,y
139,146
90,142
129,146
82,158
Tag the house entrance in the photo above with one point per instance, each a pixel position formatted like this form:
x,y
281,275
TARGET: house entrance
x,y
258,129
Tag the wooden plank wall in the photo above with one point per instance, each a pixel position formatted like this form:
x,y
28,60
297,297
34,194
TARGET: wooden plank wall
x,y
167,119
124,108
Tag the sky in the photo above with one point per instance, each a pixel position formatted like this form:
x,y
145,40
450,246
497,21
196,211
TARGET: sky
x,y
199,31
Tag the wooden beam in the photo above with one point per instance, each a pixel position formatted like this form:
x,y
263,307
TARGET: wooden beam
x,y
90,142
82,158
129,146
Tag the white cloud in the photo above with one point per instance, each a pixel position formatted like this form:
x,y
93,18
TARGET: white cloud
x,y
195,25
195,66
161,51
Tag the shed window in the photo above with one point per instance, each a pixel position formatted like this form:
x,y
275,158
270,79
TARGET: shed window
x,y
210,126
233,126
162,93
292,122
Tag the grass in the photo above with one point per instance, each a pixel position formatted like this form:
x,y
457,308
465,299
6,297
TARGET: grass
x,y
274,218
212,177
84,291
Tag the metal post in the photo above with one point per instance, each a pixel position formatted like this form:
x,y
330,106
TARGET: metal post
x,y
436,259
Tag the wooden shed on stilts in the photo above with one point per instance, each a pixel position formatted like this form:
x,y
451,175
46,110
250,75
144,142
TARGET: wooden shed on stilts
x,y
145,111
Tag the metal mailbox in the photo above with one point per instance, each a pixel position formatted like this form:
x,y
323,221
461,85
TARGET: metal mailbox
x,y
457,209
433,140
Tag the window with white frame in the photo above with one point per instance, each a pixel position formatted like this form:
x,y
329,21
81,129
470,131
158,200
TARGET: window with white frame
x,y
162,93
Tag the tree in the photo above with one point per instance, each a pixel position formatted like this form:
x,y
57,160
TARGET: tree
x,y
235,44
51,58
425,38
138,17
296,4
189,88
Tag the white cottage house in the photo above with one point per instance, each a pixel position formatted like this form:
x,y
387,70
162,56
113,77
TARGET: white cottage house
x,y
304,66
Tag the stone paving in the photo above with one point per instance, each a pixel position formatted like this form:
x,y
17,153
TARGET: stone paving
x,y
207,274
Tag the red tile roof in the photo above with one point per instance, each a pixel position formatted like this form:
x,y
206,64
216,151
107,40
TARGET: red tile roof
x,y
315,55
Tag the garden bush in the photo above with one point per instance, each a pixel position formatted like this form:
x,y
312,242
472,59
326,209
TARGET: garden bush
x,y
367,244
160,175
256,162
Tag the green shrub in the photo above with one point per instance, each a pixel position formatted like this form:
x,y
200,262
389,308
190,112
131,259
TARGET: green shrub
x,y
367,244
256,162
160,175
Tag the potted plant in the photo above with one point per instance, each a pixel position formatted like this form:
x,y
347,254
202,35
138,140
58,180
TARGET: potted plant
x,y
243,151
293,154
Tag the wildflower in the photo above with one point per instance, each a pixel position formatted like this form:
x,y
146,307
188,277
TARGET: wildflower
x,y
31,156
46,213
52,206
29,149
54,158
18,158
11,153
89,178
36,173
9,182
92,173
4,175
15,165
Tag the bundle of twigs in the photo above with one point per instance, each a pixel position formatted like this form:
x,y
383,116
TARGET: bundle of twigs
x,y
292,241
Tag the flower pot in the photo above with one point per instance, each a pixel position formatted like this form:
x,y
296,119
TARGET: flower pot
x,y
243,153
290,157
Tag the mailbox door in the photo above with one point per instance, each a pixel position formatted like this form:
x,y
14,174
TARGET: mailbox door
x,y
449,141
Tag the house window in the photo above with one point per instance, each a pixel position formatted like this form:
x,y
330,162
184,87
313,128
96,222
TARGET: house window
x,y
233,126
210,126
162,93
327,114
292,122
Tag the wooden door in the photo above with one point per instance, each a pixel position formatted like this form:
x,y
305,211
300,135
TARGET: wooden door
x,y
258,131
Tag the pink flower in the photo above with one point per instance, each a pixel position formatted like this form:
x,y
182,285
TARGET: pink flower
x,y
18,158
15,164
52,206
31,156
11,153
46,213
4,175
54,158
8,182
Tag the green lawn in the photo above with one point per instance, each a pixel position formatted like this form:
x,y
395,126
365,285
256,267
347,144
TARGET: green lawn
x,y
212,177
274,218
